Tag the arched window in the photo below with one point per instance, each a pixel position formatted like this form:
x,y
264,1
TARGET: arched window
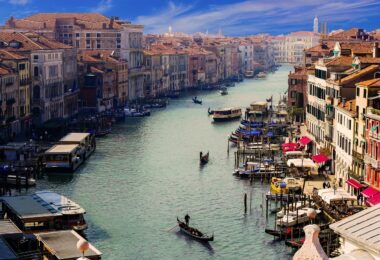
x,y
36,72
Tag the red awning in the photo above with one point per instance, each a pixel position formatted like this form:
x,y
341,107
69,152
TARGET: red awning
x,y
369,192
320,158
289,145
354,183
374,200
305,140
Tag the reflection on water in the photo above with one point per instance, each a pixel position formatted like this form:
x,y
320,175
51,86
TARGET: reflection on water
x,y
147,172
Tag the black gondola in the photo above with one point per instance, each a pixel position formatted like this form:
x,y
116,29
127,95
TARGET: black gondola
x,y
197,101
210,111
204,158
193,232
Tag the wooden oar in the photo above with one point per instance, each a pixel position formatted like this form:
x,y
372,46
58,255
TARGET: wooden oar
x,y
170,229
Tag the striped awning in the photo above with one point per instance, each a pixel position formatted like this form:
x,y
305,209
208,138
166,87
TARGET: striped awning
x,y
354,183
369,192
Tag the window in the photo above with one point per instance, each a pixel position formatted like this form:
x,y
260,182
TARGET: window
x,y
365,93
357,92
88,35
77,35
36,72
98,35
35,57
53,71
77,44
21,66
349,124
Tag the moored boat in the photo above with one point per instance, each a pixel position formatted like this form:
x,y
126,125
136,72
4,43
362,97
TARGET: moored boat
x,y
193,232
197,101
203,158
261,75
226,114
223,91
249,74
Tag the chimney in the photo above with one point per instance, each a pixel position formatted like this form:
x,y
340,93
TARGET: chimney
x,y
111,22
350,105
343,101
375,50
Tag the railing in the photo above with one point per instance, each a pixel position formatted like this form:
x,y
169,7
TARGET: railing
x,y
357,155
374,163
355,176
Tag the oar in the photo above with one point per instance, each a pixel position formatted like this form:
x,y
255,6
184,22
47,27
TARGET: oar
x,y
170,229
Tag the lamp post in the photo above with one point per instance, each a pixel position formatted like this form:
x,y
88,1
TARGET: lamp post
x,y
83,246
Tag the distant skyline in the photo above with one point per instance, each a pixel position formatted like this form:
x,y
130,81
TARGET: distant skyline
x,y
233,17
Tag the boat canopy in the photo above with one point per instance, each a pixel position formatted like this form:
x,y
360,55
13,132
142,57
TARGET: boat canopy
x,y
329,195
306,163
369,192
254,132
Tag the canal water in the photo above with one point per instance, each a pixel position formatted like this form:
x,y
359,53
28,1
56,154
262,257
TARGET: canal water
x,y
147,172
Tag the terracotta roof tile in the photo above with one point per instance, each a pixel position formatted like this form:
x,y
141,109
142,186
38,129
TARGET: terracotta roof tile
x,y
340,61
356,75
349,106
370,83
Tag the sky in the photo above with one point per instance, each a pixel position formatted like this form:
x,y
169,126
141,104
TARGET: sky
x,y
232,17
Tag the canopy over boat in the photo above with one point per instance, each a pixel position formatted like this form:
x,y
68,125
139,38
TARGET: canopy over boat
x,y
329,195
254,132
305,162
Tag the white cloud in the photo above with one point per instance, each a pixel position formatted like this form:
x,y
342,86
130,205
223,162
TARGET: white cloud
x,y
102,7
19,2
256,16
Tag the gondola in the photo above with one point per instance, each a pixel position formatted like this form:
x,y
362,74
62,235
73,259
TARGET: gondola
x,y
210,111
193,232
196,101
203,158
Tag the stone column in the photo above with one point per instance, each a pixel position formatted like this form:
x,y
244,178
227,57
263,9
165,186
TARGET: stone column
x,y
311,249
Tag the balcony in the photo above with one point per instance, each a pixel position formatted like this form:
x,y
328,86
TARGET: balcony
x,y
357,155
355,176
373,162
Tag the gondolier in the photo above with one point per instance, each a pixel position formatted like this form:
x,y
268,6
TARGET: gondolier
x,y
187,219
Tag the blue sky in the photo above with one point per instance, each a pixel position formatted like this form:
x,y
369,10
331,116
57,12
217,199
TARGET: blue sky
x,y
234,17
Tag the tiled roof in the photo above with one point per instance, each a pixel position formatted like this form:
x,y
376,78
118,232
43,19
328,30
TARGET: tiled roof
x,y
340,61
30,41
349,106
326,47
363,47
96,70
48,21
356,75
362,228
4,70
370,83
97,56
8,55
369,60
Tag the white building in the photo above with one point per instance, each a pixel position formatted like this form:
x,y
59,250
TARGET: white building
x,y
344,139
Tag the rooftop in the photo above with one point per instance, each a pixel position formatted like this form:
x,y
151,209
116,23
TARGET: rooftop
x,y
362,228
74,137
370,83
62,148
349,106
6,252
359,73
340,61
60,203
8,227
63,244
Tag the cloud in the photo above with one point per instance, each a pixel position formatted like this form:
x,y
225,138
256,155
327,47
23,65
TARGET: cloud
x,y
256,16
19,2
102,7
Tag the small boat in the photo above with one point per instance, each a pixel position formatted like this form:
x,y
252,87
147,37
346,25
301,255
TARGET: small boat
x,y
197,101
223,91
204,158
286,185
193,232
103,132
226,114
261,75
249,74
295,217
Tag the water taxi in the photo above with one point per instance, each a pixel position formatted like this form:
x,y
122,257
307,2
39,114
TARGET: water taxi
x,y
223,91
286,185
226,114
261,75
63,157
249,74
43,211
86,142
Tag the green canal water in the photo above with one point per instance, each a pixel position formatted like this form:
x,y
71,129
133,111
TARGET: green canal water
x,y
147,172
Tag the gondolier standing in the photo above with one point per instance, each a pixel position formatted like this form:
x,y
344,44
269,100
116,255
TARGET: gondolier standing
x,y
187,219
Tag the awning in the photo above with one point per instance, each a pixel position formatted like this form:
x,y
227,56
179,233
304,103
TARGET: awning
x,y
374,200
354,183
320,158
369,192
289,145
305,140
